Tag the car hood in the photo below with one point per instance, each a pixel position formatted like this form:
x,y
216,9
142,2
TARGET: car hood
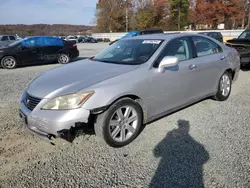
x,y
239,42
73,77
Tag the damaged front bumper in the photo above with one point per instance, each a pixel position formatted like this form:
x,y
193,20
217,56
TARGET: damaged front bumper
x,y
49,124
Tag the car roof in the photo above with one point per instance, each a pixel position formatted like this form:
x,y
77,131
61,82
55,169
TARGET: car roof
x,y
40,37
163,36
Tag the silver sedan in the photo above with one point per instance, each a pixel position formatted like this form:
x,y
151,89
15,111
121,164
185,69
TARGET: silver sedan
x,y
132,82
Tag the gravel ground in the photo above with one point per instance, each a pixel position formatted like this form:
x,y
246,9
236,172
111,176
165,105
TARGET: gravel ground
x,y
207,144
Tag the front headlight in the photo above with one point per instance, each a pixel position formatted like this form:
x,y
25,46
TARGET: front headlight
x,y
68,102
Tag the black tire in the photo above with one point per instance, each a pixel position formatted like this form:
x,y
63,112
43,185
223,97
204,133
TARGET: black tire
x,y
219,96
102,127
9,62
63,58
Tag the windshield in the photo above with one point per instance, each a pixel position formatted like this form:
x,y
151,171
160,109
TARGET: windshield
x,y
245,35
129,52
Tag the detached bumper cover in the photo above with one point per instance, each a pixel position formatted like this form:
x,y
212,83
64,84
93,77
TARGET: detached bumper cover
x,y
50,122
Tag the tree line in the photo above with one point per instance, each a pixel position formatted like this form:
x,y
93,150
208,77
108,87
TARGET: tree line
x,y
45,29
126,15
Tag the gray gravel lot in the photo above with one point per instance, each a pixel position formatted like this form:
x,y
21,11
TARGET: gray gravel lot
x,y
207,144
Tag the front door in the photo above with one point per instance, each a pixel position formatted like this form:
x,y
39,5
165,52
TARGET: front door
x,y
31,51
173,87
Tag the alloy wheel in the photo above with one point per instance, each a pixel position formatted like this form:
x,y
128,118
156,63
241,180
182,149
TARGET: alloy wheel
x,y
225,85
9,63
123,123
63,59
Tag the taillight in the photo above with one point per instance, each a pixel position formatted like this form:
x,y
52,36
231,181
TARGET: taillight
x,y
74,45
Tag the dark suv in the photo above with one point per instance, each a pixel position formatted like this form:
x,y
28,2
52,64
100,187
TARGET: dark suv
x,y
216,35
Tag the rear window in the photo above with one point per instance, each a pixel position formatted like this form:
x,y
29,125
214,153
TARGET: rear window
x,y
12,38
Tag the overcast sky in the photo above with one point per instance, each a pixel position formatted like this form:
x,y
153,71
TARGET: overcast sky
x,y
79,12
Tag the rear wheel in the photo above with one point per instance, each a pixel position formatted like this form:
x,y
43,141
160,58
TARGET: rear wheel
x,y
9,62
63,58
120,124
224,87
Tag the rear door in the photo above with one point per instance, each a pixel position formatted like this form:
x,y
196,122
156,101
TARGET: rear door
x,y
52,46
31,51
209,62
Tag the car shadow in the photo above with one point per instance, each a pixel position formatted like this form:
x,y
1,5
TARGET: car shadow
x,y
50,63
245,68
79,59
182,160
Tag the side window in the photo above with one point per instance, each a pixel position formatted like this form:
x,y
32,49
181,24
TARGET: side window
x,y
52,42
4,38
205,46
12,38
180,48
32,42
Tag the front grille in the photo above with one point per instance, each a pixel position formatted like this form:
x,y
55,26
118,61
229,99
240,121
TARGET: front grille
x,y
31,102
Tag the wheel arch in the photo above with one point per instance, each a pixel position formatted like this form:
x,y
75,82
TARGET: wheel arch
x,y
231,71
134,97
10,56
14,56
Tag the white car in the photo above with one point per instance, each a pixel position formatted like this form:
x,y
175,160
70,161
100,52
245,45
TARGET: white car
x,y
72,38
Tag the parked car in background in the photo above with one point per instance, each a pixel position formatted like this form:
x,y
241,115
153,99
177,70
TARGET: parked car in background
x,y
86,39
37,50
130,83
62,37
242,45
81,39
72,38
7,39
90,40
137,33
216,35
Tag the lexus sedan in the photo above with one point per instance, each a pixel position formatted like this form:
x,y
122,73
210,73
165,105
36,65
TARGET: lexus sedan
x,y
37,50
129,84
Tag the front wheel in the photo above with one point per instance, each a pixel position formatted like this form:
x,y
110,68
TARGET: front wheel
x,y
63,58
9,62
120,124
224,87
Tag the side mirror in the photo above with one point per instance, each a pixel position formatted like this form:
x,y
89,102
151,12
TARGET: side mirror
x,y
168,61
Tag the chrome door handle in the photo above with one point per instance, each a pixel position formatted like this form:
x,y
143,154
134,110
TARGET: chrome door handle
x,y
222,58
192,67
